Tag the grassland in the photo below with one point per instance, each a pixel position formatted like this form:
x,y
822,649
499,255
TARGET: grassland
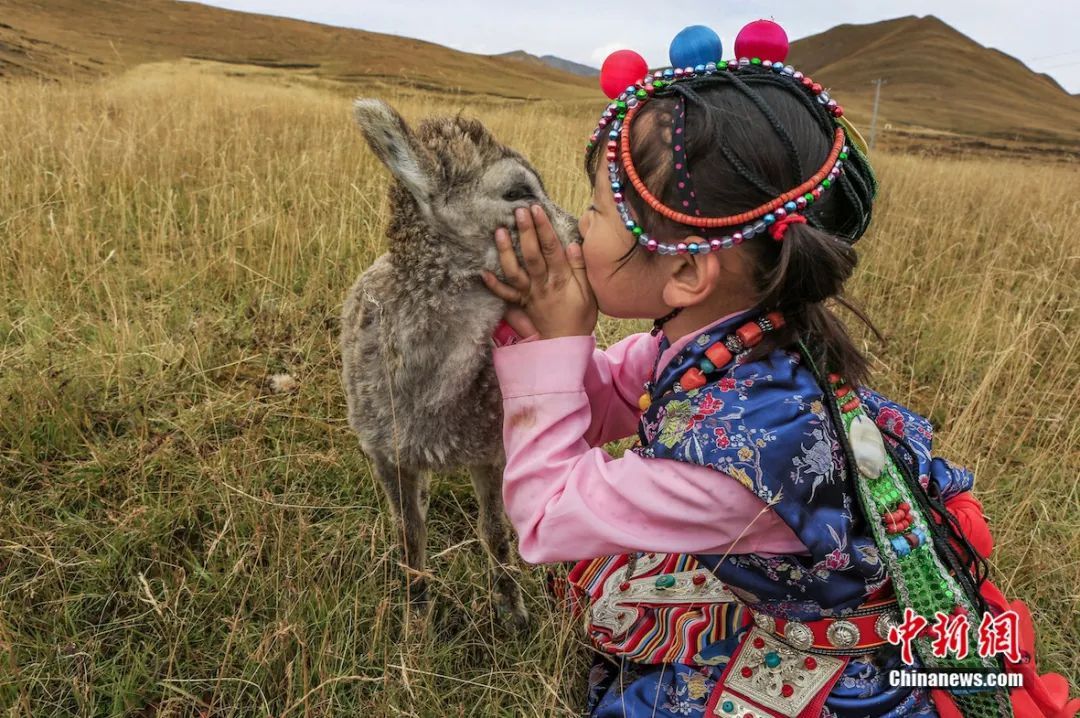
x,y
179,540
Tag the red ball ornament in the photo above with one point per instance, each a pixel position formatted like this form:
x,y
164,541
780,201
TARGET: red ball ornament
x,y
764,39
621,69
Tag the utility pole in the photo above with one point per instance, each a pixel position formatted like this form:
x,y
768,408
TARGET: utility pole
x,y
873,118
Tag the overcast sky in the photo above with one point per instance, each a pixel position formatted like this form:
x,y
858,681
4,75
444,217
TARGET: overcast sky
x,y
1045,34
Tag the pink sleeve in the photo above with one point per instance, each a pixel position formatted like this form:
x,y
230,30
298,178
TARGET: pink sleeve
x,y
614,381
569,501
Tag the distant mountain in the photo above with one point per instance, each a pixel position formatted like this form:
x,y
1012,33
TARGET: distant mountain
x,y
73,39
937,78
570,66
552,61
520,56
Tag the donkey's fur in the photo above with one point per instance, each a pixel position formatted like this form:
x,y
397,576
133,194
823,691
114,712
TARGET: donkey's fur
x,y
417,369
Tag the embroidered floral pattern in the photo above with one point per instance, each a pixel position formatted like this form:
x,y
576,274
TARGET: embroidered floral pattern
x,y
722,440
678,418
686,695
891,419
709,405
816,461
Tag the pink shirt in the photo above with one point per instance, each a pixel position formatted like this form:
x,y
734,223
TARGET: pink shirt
x,y
570,500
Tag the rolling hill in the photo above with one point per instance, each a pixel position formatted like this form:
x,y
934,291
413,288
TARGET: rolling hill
x,y
78,39
558,63
938,78
938,82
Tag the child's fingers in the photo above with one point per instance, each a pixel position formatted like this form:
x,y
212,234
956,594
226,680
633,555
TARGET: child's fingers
x,y
503,291
535,264
515,275
520,322
550,247
576,260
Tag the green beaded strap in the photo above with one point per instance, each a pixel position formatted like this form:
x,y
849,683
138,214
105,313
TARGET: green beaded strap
x,y
902,532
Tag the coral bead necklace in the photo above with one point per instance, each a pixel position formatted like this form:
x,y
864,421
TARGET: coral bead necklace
x,y
719,354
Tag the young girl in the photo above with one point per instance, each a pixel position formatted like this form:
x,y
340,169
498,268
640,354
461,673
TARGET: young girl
x,y
754,553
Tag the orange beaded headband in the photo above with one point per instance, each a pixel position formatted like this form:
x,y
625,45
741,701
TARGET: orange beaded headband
x,y
773,216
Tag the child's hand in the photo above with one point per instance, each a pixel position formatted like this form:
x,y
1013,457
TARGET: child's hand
x,y
552,290
519,321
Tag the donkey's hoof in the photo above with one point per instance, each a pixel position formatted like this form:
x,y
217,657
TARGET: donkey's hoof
x,y
511,612
419,598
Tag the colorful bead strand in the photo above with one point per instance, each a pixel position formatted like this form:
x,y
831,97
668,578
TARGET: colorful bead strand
x,y
721,353
920,578
618,115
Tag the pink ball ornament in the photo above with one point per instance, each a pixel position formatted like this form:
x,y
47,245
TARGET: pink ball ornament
x,y
763,39
621,69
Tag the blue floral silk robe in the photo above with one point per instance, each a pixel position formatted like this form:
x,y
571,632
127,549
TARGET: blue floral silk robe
x,y
764,423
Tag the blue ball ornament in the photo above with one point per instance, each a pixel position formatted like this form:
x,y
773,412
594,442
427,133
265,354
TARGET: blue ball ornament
x,y
695,45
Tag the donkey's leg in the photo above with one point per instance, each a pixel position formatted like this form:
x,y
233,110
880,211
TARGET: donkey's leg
x,y
495,533
407,491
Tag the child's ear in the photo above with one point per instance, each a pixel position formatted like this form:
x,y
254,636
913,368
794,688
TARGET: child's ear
x,y
396,145
692,278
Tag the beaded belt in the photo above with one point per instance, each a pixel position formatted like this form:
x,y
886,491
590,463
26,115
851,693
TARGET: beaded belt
x,y
787,668
863,630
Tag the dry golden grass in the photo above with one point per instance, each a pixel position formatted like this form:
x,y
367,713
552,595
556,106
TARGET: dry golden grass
x,y
178,537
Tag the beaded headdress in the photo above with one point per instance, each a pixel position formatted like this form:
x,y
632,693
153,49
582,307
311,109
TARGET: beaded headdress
x,y
761,47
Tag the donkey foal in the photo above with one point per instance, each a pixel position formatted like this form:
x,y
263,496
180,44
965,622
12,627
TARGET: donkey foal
x,y
417,370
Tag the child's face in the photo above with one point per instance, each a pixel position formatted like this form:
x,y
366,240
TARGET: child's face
x,y
634,292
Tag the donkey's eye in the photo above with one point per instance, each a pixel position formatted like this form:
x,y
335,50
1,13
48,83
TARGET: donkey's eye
x,y
518,193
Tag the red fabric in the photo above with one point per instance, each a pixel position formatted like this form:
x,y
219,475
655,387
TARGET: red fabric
x,y
504,334
1042,696
969,513
779,227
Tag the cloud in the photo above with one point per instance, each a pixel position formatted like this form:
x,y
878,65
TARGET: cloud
x,y
600,54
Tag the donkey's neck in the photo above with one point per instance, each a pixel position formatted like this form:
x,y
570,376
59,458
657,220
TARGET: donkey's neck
x,y
444,317
436,267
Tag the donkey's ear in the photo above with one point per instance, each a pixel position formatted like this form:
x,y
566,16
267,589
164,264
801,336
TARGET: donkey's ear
x,y
396,145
